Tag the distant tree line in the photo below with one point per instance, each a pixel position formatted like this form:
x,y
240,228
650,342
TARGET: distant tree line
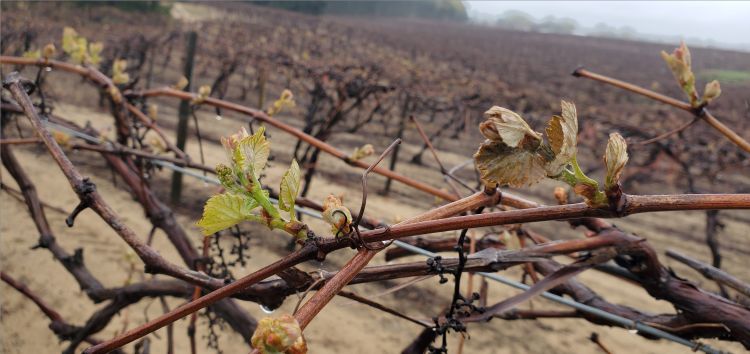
x,y
434,9
521,21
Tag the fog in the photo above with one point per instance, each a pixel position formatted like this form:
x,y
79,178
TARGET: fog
x,y
720,23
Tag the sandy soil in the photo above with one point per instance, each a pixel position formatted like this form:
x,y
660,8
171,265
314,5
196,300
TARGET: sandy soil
x,y
343,325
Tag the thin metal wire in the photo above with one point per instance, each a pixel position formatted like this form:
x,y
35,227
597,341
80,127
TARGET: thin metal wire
x,y
627,323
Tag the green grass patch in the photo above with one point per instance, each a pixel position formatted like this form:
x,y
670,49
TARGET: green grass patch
x,y
725,76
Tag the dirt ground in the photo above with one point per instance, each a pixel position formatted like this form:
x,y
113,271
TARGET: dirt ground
x,y
341,326
344,326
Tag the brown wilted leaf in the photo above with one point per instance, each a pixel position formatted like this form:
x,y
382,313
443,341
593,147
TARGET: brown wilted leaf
x,y
502,164
508,127
562,132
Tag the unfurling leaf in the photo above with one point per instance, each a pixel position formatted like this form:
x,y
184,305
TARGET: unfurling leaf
x,y
49,51
679,63
225,210
712,91
562,132
95,53
362,152
509,128
279,335
203,93
615,159
502,164
79,49
337,215
181,84
69,40
251,153
289,188
119,76
285,101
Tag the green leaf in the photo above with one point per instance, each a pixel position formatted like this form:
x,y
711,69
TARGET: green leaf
x,y
251,154
562,132
501,164
508,127
289,188
225,210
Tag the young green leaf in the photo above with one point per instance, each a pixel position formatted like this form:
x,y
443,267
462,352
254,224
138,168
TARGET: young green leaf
x,y
289,188
49,51
362,152
615,158
203,93
285,101
679,63
69,43
119,76
225,210
251,153
562,132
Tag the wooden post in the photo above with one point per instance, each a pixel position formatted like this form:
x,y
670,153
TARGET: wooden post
x,y
401,126
184,113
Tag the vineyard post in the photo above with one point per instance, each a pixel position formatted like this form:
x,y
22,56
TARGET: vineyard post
x,y
399,135
184,113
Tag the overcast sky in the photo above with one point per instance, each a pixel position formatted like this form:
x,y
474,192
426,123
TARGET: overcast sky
x,y
724,21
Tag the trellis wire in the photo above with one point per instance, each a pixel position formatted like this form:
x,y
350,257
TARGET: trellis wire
x,y
627,323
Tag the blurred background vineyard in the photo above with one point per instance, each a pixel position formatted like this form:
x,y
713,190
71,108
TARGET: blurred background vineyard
x,y
358,70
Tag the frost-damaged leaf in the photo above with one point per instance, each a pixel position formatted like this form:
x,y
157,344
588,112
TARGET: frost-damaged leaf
x,y
289,188
712,91
502,164
679,63
615,159
223,211
562,134
251,154
337,215
508,127
277,335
